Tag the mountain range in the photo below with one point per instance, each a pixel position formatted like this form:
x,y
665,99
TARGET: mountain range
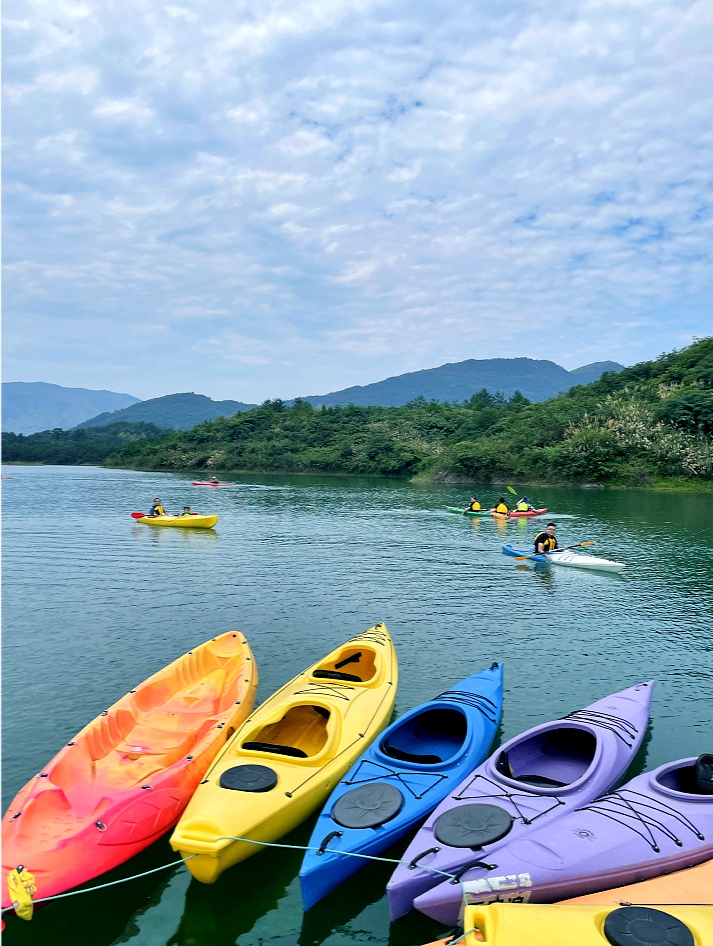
x,y
29,407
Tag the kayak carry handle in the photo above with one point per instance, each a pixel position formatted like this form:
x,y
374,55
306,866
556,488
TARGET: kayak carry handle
x,y
325,841
414,862
469,866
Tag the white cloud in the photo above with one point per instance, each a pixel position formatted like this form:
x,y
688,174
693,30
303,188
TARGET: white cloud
x,y
387,189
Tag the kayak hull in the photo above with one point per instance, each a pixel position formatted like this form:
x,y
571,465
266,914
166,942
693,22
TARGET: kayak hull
x,y
180,522
412,766
566,558
198,483
692,885
656,823
294,748
532,779
125,778
530,514
472,513
507,924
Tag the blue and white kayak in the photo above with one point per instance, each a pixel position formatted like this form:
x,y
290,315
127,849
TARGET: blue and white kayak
x,y
567,557
400,779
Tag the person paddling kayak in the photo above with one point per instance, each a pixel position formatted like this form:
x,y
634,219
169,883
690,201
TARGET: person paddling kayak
x,y
546,542
501,507
473,505
524,505
157,509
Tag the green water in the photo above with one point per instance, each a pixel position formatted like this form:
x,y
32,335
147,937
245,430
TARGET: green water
x,y
94,602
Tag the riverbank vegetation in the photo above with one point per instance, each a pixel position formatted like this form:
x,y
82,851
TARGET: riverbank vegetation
x,y
648,424
79,447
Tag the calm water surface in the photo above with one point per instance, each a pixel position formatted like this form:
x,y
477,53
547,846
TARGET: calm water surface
x,y
94,603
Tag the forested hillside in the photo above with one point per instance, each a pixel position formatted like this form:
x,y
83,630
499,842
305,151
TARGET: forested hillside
x,y
78,447
647,423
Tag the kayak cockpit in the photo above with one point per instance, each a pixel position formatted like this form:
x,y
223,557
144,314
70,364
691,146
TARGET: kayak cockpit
x,y
555,758
301,733
429,738
351,665
694,777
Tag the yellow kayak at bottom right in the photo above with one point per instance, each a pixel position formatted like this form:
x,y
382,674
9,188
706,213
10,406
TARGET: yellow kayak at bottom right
x,y
522,924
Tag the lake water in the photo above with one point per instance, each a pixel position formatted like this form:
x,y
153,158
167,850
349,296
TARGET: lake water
x,y
95,602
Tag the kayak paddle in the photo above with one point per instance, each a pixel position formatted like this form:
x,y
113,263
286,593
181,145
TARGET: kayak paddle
x,y
138,515
511,490
519,558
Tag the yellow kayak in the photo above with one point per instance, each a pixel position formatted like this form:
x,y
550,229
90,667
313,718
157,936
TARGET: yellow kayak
x,y
523,924
284,761
180,522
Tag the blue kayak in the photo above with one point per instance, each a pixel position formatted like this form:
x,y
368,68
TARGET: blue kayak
x,y
400,779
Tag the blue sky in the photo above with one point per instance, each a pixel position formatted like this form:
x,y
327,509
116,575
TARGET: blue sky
x,y
252,200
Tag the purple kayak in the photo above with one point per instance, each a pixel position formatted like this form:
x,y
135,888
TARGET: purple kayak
x,y
530,781
659,822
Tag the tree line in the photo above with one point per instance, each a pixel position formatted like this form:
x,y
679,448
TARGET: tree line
x,y
649,423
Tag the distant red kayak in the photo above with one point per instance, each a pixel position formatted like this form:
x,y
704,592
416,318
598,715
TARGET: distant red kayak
x,y
530,512
210,484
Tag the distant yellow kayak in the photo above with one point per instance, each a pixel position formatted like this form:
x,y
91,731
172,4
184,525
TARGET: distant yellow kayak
x,y
283,762
180,522
523,924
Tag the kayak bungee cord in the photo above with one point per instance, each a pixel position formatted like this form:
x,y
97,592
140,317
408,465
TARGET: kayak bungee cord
x,y
511,796
387,772
605,721
628,809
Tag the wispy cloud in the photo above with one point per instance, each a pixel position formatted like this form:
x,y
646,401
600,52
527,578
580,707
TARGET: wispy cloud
x,y
324,194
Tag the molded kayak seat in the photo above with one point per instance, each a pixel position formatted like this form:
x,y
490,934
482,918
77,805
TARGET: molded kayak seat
x,y
395,753
336,675
279,750
368,806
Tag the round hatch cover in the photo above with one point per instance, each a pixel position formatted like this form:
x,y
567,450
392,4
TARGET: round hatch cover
x,y
368,806
472,825
248,778
642,926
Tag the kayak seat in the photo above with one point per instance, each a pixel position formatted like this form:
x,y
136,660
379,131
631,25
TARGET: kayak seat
x,y
278,750
352,664
395,753
303,732
541,780
552,758
336,675
427,738
144,741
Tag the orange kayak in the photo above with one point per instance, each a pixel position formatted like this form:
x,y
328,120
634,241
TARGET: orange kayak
x,y
691,886
125,779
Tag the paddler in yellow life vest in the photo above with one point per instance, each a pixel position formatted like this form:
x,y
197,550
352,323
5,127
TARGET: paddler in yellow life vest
x,y
546,542
473,506
501,507
524,505
186,512
157,509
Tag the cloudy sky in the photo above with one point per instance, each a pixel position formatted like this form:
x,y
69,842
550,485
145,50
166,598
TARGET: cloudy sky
x,y
252,200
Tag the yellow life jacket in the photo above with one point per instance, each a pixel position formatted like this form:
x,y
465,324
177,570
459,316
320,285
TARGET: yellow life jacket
x,y
548,544
21,886
474,507
159,511
501,507
522,507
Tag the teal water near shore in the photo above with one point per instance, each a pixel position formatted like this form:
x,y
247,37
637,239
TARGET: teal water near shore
x,y
94,602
